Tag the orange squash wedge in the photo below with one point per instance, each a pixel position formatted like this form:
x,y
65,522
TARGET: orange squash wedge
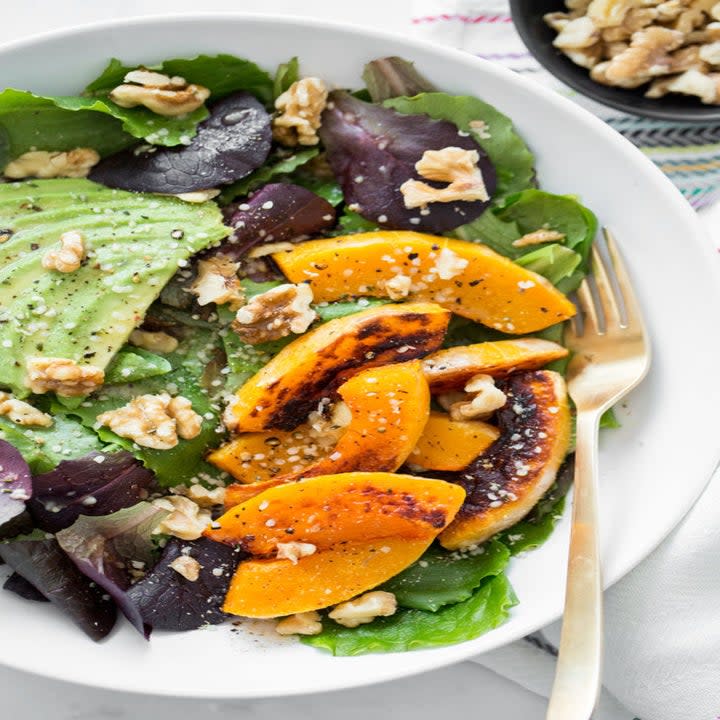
x,y
260,457
389,407
451,368
468,278
511,476
312,367
364,529
332,509
271,588
448,444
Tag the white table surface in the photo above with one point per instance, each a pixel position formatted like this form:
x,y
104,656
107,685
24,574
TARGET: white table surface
x,y
463,690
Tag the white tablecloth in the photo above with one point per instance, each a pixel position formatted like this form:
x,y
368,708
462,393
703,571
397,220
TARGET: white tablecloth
x,y
465,690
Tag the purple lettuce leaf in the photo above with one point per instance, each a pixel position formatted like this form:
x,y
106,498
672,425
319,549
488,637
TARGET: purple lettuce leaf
x,y
230,144
20,586
277,212
372,151
43,564
167,601
97,484
15,490
103,547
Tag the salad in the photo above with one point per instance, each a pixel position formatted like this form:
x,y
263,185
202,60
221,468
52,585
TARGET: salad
x,y
273,349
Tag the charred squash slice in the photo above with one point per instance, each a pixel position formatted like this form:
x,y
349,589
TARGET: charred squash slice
x,y
468,278
448,444
450,369
509,478
361,528
312,367
388,406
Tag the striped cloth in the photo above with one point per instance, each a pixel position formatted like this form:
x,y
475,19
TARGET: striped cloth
x,y
688,154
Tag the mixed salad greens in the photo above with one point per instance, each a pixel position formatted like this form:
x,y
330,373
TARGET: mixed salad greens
x,y
270,349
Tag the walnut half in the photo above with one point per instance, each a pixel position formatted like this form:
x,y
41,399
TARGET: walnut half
x,y
299,111
75,163
453,165
275,314
64,377
163,95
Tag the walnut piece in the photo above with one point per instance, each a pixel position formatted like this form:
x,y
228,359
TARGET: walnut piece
x,y
307,623
487,399
186,520
69,256
186,566
452,165
671,46
163,95
22,413
275,314
648,55
217,282
204,497
542,235
299,111
62,376
293,551
364,609
579,33
75,163
398,286
159,342
154,421
610,13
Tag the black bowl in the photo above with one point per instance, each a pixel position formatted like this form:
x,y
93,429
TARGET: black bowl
x,y
528,18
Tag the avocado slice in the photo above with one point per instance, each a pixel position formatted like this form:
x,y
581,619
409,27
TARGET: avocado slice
x,y
134,244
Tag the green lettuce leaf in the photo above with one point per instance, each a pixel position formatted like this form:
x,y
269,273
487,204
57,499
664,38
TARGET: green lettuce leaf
x,y
514,163
557,263
195,375
285,75
324,187
44,447
31,122
442,578
409,629
133,364
221,74
335,310
609,421
351,222
136,243
275,169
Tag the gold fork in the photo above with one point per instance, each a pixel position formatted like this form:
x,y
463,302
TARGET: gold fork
x,y
611,355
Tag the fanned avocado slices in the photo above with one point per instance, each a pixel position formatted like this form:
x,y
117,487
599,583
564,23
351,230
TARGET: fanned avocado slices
x,y
134,243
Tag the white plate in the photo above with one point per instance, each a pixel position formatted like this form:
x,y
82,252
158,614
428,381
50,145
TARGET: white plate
x,y
652,469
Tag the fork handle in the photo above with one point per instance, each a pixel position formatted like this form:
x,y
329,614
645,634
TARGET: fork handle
x,y
577,677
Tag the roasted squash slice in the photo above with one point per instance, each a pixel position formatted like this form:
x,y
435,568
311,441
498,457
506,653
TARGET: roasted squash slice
x,y
363,528
260,457
470,279
448,444
388,406
271,588
312,367
451,368
509,478
332,509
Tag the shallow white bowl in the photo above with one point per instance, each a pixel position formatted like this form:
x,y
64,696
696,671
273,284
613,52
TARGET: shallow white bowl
x,y
652,469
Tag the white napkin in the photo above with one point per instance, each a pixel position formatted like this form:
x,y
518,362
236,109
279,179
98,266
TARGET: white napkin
x,y
662,657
